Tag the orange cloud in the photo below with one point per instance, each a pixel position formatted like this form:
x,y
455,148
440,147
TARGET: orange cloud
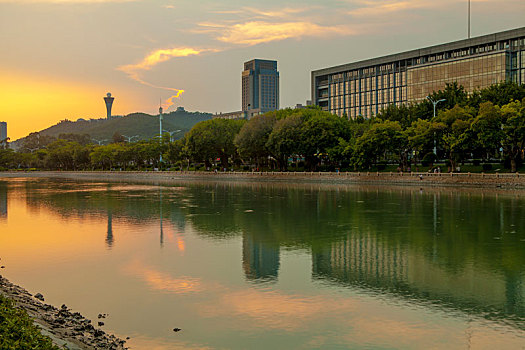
x,y
159,56
153,59
283,12
257,32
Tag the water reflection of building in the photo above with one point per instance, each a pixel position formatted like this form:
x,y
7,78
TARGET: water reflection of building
x,y
371,261
260,260
109,235
3,200
362,258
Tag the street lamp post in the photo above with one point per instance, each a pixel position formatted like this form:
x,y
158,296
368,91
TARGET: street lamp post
x,y
130,137
172,133
435,103
99,141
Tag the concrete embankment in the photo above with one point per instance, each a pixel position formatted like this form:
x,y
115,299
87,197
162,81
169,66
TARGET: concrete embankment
x,y
63,326
382,178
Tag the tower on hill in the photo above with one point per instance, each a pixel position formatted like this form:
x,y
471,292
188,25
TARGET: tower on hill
x,y
109,103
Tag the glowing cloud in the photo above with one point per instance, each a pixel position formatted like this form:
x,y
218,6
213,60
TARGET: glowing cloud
x,y
380,7
154,58
159,56
257,32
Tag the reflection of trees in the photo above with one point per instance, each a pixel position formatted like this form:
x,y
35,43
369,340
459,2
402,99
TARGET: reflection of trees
x,y
79,199
463,249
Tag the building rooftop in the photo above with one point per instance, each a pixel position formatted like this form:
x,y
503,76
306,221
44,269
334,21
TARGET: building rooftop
x,y
455,45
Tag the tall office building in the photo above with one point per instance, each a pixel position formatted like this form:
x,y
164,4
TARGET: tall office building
x,y
366,87
109,103
260,87
3,131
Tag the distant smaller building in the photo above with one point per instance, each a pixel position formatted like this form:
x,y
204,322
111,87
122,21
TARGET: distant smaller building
x,y
238,114
180,109
3,131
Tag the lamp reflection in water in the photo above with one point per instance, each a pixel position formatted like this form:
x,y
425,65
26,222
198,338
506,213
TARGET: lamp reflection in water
x,y
160,214
109,235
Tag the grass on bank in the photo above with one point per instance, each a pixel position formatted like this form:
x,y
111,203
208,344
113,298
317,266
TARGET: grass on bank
x,y
17,330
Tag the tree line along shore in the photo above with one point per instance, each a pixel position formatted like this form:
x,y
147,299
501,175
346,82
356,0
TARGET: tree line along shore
x,y
479,132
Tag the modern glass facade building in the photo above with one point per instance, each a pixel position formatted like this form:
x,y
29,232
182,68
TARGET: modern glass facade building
x,y
260,86
366,87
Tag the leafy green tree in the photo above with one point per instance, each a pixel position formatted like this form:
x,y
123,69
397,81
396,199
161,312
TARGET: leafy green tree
x,y
66,155
453,94
35,141
81,139
213,138
251,141
175,152
487,128
381,140
422,135
499,94
7,158
321,133
403,114
118,138
456,132
514,131
285,139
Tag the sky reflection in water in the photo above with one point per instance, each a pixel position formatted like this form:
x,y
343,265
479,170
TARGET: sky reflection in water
x,y
259,266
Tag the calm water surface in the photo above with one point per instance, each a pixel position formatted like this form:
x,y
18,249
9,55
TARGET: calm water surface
x,y
271,266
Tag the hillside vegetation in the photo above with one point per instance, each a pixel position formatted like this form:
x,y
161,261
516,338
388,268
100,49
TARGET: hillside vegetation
x,y
145,126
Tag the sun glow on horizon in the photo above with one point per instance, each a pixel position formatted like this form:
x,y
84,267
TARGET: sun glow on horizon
x,y
30,104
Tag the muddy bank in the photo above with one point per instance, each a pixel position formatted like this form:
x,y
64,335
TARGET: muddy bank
x,y
477,180
62,325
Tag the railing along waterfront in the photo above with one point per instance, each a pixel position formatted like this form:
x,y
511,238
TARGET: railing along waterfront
x,y
356,174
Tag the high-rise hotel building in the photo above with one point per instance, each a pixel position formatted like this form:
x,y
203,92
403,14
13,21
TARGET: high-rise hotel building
x,y
366,87
260,86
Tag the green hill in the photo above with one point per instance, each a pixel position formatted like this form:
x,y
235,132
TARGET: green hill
x,y
143,125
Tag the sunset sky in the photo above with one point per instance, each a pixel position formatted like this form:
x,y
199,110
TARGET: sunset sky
x,y
60,57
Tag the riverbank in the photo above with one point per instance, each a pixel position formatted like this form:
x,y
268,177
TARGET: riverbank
x,y
478,180
63,326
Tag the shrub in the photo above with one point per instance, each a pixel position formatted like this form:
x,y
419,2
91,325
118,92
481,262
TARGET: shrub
x,y
429,158
476,162
487,167
17,330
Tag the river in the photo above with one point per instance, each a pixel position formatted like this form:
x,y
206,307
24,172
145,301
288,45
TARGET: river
x,y
273,266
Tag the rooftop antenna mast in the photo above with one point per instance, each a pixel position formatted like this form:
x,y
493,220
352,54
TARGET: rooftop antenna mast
x,y
469,19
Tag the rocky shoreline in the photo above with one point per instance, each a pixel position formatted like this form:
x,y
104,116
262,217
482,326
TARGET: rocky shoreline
x,y
62,325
